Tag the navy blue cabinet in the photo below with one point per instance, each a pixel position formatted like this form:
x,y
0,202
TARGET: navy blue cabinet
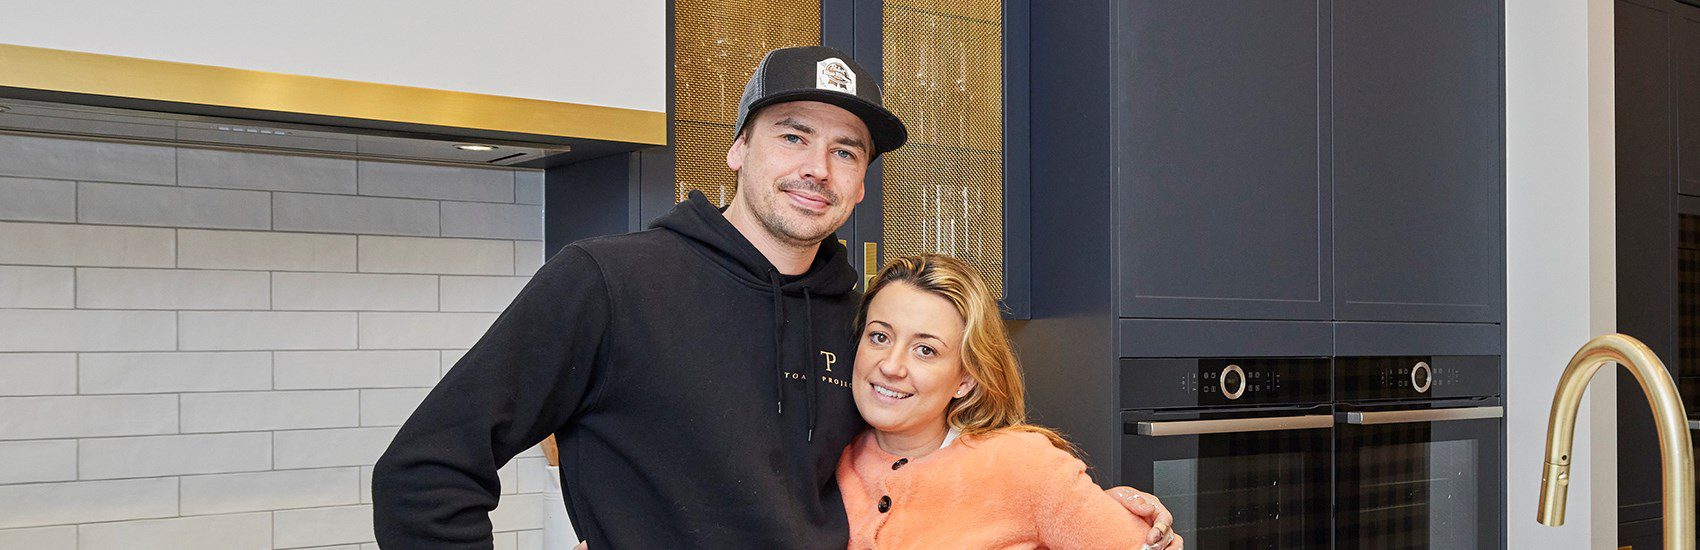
x,y
1418,160
1221,153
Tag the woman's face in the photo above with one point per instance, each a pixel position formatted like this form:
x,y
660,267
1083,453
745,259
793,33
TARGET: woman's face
x,y
908,361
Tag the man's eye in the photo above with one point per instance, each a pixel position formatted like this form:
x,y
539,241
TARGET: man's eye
x,y
846,155
793,138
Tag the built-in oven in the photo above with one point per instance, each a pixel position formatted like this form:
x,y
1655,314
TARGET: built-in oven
x,y
1238,448
1417,452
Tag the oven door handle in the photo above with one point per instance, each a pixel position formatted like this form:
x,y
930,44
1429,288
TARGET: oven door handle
x,y
1234,425
1423,415
1694,425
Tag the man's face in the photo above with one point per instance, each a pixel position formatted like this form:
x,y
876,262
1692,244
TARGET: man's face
x,y
800,166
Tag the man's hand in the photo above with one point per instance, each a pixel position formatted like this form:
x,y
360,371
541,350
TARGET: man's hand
x,y
1148,508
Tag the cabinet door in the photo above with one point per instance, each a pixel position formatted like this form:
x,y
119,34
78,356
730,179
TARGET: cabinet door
x,y
1418,160
1220,156
1685,50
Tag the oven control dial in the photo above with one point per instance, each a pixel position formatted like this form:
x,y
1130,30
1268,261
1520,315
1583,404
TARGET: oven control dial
x,y
1422,377
1232,382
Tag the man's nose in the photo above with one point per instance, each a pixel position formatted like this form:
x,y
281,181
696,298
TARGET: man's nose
x,y
818,167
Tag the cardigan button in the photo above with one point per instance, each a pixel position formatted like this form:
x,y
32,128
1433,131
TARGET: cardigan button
x,y
885,503
899,464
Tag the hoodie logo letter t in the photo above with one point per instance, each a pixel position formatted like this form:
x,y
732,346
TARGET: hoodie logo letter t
x,y
830,359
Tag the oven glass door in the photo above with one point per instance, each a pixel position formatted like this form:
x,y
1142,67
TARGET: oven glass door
x,y
1424,478
1236,482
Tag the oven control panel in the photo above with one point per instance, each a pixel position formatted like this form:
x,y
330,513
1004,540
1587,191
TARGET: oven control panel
x,y
1166,383
1416,377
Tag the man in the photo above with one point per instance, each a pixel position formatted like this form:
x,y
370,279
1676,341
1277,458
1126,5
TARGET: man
x,y
695,374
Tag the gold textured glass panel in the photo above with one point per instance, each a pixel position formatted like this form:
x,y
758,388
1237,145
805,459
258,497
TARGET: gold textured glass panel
x,y
716,46
944,77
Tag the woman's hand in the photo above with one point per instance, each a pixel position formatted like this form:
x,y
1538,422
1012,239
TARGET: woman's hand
x,y
1162,535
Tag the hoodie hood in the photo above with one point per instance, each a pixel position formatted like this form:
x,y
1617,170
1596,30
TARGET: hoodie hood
x,y
699,220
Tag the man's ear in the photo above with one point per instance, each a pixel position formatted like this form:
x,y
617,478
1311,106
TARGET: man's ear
x,y
735,153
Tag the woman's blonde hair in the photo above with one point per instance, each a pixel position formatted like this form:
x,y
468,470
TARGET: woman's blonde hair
x,y
998,401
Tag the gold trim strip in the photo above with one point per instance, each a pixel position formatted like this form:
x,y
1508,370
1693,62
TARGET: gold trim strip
x,y
110,75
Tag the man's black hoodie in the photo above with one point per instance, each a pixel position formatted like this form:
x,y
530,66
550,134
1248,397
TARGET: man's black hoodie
x,y
700,398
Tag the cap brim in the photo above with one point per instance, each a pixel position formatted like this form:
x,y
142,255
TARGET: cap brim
x,y
887,131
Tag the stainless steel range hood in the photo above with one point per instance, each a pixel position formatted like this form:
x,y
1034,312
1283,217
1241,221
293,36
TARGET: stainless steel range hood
x,y
85,121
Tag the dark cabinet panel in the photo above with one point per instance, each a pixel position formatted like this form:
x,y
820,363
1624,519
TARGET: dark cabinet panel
x,y
1685,45
1220,156
1646,245
1418,160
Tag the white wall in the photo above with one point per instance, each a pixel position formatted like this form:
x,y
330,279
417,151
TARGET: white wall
x,y
590,52
204,348
1560,254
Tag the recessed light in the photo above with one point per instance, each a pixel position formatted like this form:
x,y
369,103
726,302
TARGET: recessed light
x,y
477,148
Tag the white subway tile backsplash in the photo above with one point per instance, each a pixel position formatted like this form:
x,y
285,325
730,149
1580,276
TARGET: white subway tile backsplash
x,y
356,369
422,330
504,540
63,537
265,171
175,372
328,448
38,374
531,539
87,501
222,532
90,245
389,407
492,220
429,181
516,512
171,289
353,292
172,206
275,410
533,474
273,490
69,330
36,287
87,416
170,455
74,159
37,461
435,255
528,186
486,294
24,199
274,330
287,312
321,526
265,250
352,214
528,257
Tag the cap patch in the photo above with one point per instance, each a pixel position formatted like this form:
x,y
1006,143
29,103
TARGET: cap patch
x,y
833,74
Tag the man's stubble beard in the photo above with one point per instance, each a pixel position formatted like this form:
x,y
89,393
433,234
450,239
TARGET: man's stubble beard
x,y
784,228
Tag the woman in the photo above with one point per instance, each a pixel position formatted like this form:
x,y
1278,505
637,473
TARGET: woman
x,y
949,461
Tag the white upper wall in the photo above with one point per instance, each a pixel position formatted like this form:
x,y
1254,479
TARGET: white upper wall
x,y
611,54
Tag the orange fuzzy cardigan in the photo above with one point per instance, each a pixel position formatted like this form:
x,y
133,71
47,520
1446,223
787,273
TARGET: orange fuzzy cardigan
x,y
1010,490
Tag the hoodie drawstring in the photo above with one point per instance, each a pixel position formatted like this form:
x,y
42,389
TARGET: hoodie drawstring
x,y
814,368
778,334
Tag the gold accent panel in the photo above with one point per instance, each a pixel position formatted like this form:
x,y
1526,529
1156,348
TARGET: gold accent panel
x,y
944,77
716,46
129,77
870,264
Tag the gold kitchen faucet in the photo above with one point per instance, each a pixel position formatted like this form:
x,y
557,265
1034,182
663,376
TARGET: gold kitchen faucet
x,y
1676,451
